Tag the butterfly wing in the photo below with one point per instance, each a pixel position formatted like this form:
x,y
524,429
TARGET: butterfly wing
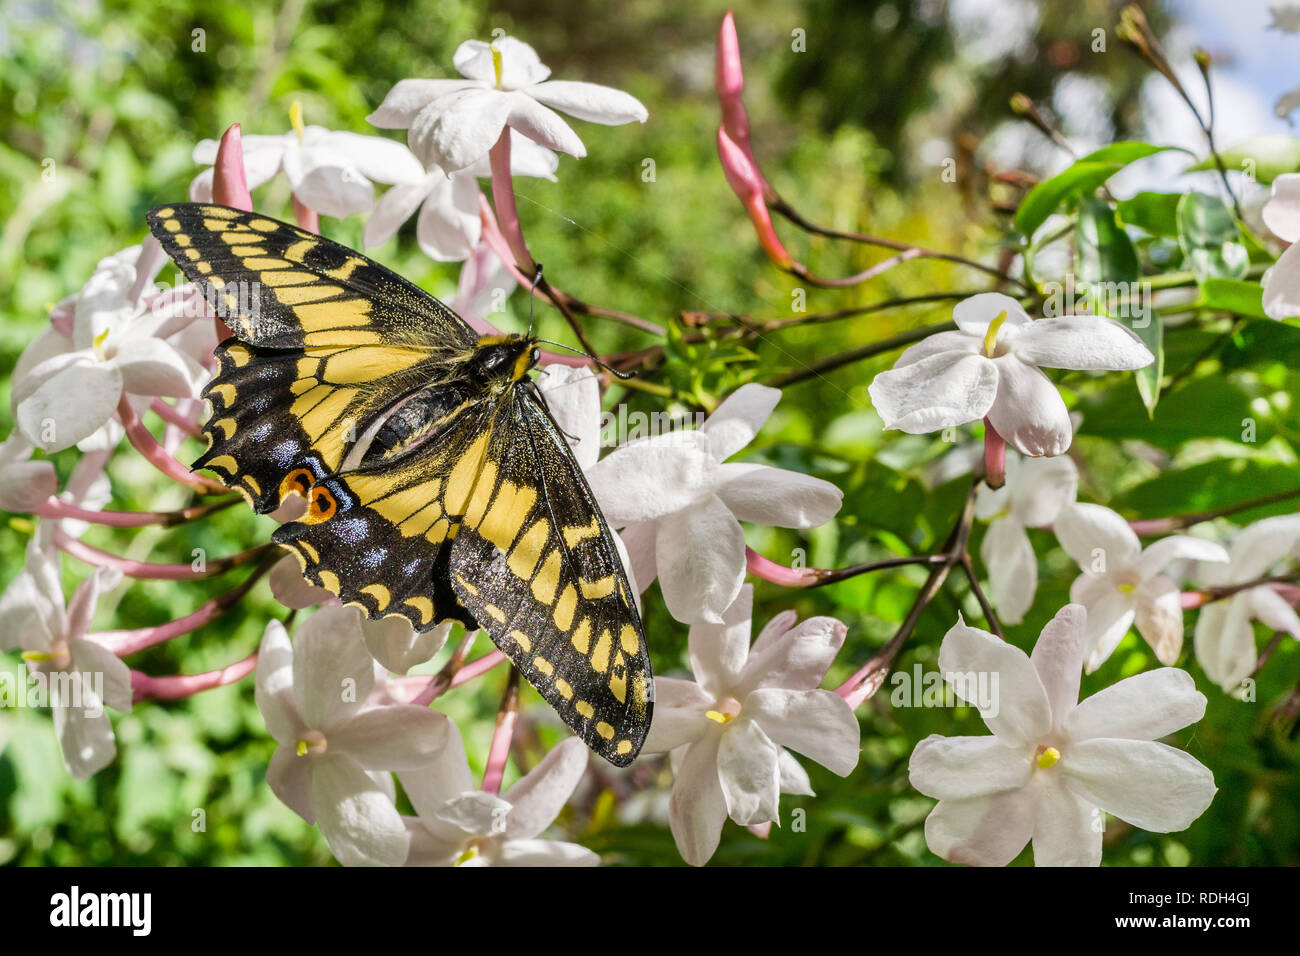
x,y
536,564
325,341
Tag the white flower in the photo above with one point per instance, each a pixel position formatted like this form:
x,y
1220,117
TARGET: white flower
x,y
459,825
1054,761
482,288
24,484
66,390
333,740
989,368
1282,215
328,171
454,123
80,675
449,226
736,719
1225,640
1036,490
680,504
1121,582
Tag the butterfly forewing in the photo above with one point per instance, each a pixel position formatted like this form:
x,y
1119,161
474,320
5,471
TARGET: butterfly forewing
x,y
537,565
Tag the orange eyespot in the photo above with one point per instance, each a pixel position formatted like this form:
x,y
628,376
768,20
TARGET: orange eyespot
x,y
298,481
320,506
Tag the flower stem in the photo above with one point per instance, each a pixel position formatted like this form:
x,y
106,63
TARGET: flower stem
x,y
145,571
55,508
172,416
995,456
126,642
177,686
1153,526
144,442
499,752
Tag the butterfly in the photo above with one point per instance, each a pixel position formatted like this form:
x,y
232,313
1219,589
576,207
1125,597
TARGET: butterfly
x,y
438,485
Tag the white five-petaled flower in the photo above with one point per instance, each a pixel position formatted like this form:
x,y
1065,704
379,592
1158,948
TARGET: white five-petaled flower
x,y
989,368
80,676
336,745
1054,762
66,389
329,171
1282,215
449,226
680,504
454,123
1035,491
460,825
1122,583
736,719
1225,640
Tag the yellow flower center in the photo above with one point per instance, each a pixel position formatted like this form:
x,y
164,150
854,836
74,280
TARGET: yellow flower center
x,y
1126,588
1047,757
469,853
991,336
312,743
99,341
718,715
496,63
295,118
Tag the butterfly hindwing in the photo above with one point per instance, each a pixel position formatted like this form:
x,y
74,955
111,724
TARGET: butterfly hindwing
x,y
381,536
537,565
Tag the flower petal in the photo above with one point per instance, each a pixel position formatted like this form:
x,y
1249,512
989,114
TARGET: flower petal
x,y
959,768
653,477
983,831
540,794
1159,617
739,418
291,589
718,650
449,226
543,853
748,769
1164,552
1225,641
395,207
456,130
1145,706
398,646
816,723
1148,784
936,392
396,737
1282,211
1012,567
1091,534
289,777
1068,829
520,65
797,660
679,718
274,685
777,497
974,314
445,777
71,399
86,739
978,665
1081,342
1028,411
333,672
1282,285
355,815
700,556
697,808
1263,544
1058,660
1044,486
542,125
590,101
573,398
409,97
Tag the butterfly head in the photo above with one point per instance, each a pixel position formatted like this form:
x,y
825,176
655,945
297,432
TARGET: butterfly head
x,y
505,359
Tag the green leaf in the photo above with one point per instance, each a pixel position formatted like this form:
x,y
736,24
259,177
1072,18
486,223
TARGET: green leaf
x,y
1080,179
1210,239
1156,213
1108,265
1233,295
1264,157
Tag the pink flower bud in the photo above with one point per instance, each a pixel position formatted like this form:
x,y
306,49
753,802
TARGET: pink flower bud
x,y
229,184
747,183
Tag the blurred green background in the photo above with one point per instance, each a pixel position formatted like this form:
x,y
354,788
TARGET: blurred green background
x,y
113,95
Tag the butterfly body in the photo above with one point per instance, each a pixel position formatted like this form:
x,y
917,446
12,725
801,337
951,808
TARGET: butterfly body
x,y
438,486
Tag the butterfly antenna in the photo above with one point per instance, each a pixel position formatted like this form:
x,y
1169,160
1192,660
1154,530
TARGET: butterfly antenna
x,y
532,298
608,368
